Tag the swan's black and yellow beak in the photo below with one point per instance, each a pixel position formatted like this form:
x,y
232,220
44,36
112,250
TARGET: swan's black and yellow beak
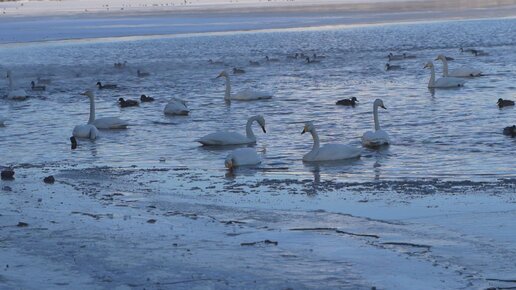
x,y
263,128
383,107
304,131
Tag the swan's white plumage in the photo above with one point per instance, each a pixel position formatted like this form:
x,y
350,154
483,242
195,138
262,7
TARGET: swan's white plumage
x,y
245,95
85,131
458,72
14,94
242,157
232,138
328,152
378,137
106,122
444,82
176,107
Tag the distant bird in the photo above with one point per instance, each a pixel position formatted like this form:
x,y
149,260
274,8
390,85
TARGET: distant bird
x,y
448,58
41,81
254,63
389,66
467,50
37,88
120,64
510,131
106,86
142,74
504,103
238,71
271,59
127,103
144,99
348,102
176,107
479,53
211,61
295,56
318,56
408,56
308,60
393,57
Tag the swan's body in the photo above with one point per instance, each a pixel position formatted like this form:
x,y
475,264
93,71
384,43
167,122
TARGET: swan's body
x,y
444,82
106,122
223,138
328,152
242,157
459,72
176,107
245,95
87,131
15,94
379,137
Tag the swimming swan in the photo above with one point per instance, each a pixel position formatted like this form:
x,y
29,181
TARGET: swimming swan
x,y
232,138
246,95
460,72
88,131
379,137
18,94
242,157
328,152
106,122
176,107
444,82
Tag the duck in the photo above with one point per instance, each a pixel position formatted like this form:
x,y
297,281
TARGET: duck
x,y
238,71
223,138
308,60
315,56
379,137
444,82
254,63
328,152
246,95
144,99
408,56
389,66
460,72
504,103
142,74
120,64
14,94
35,87
467,50
393,57
106,122
293,56
176,107
480,53
106,86
242,157
127,103
267,58
347,102
41,81
510,131
211,61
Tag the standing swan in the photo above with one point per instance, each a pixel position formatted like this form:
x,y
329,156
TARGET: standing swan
x,y
18,94
246,95
222,138
328,152
460,72
176,107
444,82
106,122
242,157
379,137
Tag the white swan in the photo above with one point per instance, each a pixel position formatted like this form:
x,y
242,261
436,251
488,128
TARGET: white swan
x,y
87,131
328,152
379,137
459,72
444,82
242,157
106,122
246,95
176,107
232,138
18,94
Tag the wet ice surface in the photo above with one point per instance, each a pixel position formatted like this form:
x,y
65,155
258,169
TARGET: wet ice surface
x,y
434,210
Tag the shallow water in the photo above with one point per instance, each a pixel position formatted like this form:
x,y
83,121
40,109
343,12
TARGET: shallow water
x,y
452,134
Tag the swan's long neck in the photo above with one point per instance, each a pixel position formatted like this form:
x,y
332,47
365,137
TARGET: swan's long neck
x,y
445,67
249,130
376,121
431,82
315,136
227,94
92,110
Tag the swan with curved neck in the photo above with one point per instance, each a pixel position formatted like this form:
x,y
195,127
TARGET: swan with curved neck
x,y
242,157
106,122
246,95
328,152
460,72
222,138
444,82
379,137
14,94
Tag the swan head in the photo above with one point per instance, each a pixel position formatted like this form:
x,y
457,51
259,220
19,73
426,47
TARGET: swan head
x,y
223,74
87,93
309,127
261,121
379,103
429,65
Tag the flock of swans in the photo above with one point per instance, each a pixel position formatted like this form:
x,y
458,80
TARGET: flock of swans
x,y
248,156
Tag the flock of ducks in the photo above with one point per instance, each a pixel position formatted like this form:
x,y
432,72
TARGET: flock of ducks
x,y
248,156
